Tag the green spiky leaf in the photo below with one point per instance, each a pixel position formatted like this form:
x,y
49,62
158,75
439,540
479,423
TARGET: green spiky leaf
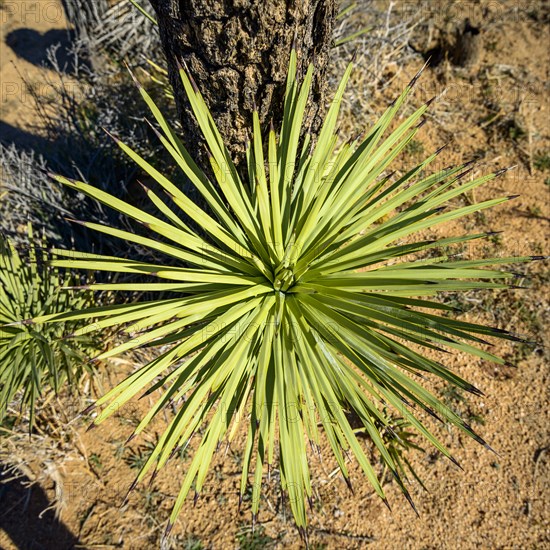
x,y
36,358
297,294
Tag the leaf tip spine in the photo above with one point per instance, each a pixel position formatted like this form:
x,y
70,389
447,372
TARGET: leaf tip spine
x,y
168,529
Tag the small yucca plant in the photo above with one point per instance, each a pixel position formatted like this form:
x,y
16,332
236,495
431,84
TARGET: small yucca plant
x,y
35,358
297,302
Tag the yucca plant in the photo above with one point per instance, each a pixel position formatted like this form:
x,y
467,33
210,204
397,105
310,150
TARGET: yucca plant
x,y
36,358
298,301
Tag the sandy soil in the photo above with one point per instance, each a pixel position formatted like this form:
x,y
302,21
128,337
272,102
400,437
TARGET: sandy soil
x,y
497,111
27,29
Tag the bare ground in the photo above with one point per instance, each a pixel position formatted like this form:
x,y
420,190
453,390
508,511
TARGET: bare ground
x,y
496,111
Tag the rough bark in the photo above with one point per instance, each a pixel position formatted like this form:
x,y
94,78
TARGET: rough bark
x,y
237,52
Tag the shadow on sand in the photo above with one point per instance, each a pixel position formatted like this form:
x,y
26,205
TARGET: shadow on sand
x,y
23,519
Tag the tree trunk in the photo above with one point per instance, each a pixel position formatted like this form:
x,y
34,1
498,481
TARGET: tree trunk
x,y
237,51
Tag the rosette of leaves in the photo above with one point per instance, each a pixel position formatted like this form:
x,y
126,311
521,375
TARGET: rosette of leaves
x,y
35,358
298,300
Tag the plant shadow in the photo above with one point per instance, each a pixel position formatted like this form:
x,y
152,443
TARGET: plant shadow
x,y
23,139
26,519
33,46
